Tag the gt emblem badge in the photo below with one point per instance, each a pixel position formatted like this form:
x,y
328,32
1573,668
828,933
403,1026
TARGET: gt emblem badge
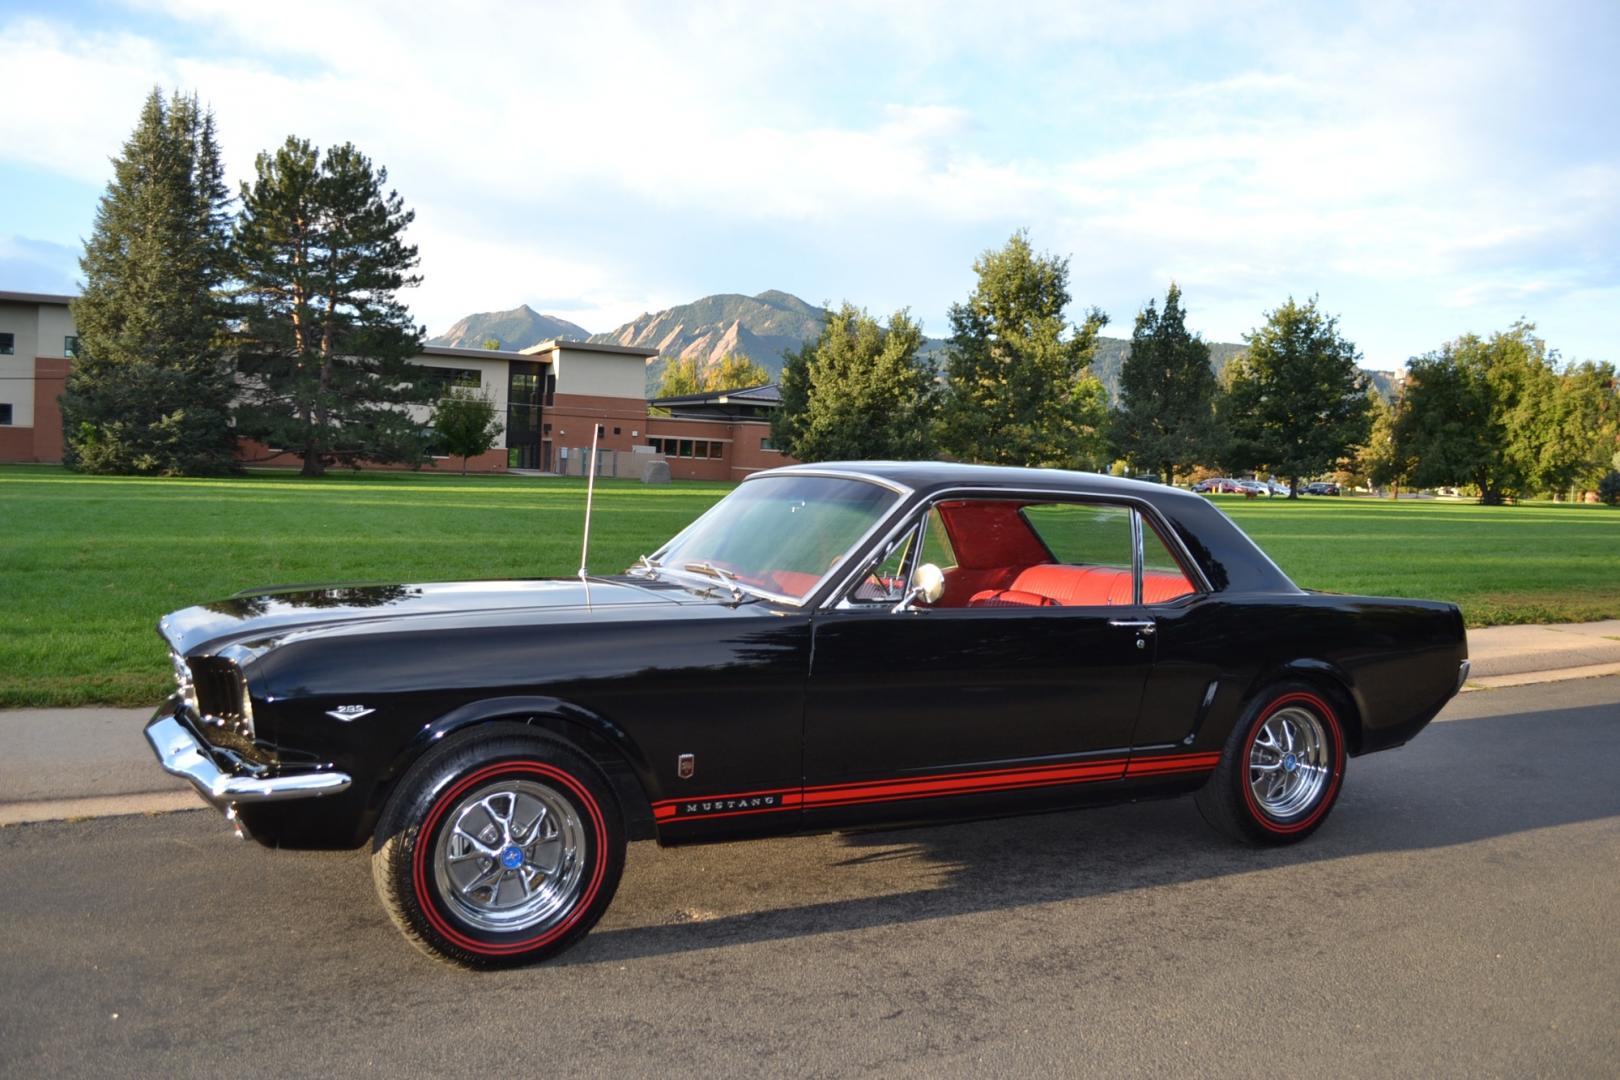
x,y
349,712
685,766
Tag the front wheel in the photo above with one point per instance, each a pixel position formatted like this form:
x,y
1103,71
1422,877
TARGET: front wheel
x,y
500,850
1281,770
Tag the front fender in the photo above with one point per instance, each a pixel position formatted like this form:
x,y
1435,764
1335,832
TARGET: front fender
x,y
607,744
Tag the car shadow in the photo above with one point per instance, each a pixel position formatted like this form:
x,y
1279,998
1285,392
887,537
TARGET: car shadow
x,y
1459,783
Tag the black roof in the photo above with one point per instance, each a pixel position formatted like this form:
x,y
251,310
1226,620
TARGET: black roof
x,y
769,394
924,476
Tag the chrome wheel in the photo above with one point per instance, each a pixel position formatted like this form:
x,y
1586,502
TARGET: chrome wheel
x,y
1290,762
511,856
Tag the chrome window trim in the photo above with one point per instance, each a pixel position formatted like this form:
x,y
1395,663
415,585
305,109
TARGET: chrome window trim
x,y
860,543
1167,535
1137,564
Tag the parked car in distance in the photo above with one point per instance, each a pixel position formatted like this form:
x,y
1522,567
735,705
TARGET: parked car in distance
x,y
1321,487
1219,485
1254,487
828,646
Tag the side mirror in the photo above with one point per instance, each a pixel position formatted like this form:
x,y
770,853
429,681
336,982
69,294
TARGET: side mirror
x,y
927,586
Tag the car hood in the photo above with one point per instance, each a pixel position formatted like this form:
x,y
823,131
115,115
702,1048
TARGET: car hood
x,y
266,615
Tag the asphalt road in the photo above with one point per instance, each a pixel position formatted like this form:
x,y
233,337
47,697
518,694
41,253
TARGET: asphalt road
x,y
1457,915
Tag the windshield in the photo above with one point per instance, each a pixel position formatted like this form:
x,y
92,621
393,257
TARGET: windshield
x,y
779,534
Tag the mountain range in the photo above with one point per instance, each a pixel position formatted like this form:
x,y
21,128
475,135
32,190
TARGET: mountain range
x,y
760,327
513,330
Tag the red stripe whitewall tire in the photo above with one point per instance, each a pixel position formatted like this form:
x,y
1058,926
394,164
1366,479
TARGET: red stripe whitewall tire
x,y
501,849
1281,770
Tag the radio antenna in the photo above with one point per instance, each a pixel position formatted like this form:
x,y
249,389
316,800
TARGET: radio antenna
x,y
590,489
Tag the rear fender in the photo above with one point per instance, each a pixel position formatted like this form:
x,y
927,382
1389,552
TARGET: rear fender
x,y
1331,678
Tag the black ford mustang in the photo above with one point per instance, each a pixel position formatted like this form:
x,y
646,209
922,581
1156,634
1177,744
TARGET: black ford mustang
x,y
828,645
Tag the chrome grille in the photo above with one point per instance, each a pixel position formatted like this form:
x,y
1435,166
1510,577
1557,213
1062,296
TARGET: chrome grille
x,y
221,693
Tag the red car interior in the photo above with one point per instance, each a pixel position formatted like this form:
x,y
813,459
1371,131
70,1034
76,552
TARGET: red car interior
x,y
1001,562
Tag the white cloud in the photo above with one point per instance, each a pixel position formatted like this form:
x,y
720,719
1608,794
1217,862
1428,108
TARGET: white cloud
x,y
1371,150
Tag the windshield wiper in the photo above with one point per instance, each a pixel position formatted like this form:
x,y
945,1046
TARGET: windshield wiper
x,y
649,566
727,578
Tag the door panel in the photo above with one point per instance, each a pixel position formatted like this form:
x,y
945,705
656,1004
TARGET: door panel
x,y
1016,695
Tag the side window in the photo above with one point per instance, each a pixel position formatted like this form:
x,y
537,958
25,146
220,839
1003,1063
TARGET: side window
x,y
1163,579
937,542
887,582
8,344
1084,534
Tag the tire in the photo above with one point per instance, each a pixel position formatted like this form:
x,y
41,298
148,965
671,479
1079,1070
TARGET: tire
x,y
1281,770
498,850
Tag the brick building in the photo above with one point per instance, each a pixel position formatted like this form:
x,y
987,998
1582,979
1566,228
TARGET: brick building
x,y
548,397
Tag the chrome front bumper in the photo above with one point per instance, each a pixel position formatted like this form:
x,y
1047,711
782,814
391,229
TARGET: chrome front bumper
x,y
183,754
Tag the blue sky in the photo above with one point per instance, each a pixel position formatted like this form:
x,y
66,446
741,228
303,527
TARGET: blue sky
x,y
1426,172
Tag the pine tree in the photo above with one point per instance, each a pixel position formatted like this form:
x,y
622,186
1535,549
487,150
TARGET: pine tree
x,y
150,389
1018,386
858,391
325,341
1298,401
1167,393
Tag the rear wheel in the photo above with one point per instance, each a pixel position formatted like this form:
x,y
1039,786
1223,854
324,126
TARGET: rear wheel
x,y
499,851
1281,770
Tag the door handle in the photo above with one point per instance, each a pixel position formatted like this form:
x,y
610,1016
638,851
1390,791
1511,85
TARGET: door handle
x,y
1141,626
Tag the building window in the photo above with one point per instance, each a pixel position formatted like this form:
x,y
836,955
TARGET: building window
x,y
615,431
545,429
5,414
551,388
8,344
768,443
70,347
445,379
717,449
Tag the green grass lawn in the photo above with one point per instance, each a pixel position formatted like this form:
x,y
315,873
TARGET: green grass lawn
x,y
87,564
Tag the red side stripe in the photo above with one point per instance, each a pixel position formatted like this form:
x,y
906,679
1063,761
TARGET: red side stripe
x,y
939,784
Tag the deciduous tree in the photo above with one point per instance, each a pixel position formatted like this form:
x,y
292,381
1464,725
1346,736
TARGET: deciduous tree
x,y
684,375
1382,460
858,391
326,341
1018,386
1475,412
1166,414
1297,402
466,424
734,371
150,389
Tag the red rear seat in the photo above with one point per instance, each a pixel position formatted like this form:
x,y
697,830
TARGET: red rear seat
x,y
1081,586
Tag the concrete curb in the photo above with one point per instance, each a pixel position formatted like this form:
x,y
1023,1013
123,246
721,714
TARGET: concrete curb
x,y
160,802
1530,678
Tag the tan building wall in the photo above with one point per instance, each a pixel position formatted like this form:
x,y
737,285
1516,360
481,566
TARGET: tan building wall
x,y
595,370
32,375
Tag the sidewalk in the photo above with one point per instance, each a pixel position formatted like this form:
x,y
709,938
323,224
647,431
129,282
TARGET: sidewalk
x,y
67,763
